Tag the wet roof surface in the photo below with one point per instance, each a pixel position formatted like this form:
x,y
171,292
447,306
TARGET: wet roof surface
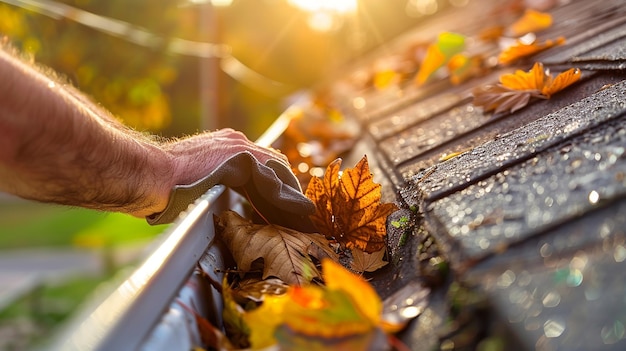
x,y
531,215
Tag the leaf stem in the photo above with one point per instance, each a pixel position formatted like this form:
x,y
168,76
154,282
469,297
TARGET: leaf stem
x,y
253,207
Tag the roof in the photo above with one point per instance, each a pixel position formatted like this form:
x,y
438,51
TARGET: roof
x,y
530,215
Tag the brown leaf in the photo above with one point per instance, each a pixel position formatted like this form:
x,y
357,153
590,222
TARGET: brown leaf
x,y
284,251
255,289
498,98
322,192
349,208
365,262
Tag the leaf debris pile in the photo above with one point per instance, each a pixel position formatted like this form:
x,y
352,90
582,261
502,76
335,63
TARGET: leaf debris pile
x,y
289,288
458,58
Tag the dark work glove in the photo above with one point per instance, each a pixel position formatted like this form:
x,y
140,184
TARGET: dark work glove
x,y
272,188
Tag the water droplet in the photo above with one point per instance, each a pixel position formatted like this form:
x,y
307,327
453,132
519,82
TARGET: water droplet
x,y
545,250
552,299
612,333
506,279
411,312
592,293
553,328
619,254
358,103
575,278
532,323
594,197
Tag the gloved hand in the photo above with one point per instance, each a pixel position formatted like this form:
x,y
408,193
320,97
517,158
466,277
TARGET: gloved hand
x,y
272,188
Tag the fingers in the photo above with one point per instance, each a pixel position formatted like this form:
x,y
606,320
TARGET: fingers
x,y
198,155
238,142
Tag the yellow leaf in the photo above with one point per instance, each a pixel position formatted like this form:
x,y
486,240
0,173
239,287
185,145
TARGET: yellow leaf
x,y
520,50
462,67
264,320
344,313
562,81
386,78
233,315
317,312
361,292
531,21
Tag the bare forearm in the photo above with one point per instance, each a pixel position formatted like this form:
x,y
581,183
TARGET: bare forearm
x,y
56,146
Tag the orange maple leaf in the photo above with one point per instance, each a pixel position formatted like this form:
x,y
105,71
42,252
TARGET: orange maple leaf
x,y
539,80
516,89
348,207
532,80
562,81
520,50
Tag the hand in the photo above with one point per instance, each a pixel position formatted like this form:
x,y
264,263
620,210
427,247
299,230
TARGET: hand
x,y
227,157
197,156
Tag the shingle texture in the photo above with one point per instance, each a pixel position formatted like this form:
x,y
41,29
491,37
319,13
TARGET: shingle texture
x,y
531,216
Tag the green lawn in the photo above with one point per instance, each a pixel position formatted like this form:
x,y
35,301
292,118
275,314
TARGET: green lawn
x,y
34,317
27,224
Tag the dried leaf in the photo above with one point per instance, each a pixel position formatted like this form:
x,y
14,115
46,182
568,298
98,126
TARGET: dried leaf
x,y
498,98
434,60
532,80
562,81
323,192
531,21
255,290
462,68
516,89
348,208
209,334
365,262
284,251
347,308
386,78
520,50
438,54
233,316
450,44
491,33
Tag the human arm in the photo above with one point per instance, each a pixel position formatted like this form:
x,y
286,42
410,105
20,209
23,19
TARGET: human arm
x,y
56,146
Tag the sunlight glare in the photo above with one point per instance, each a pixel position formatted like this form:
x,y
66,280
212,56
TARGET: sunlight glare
x,y
339,6
217,3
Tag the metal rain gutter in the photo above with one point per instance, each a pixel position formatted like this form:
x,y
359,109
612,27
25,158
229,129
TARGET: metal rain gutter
x,y
138,313
122,320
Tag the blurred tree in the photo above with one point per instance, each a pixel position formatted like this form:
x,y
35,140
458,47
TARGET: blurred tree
x,y
154,90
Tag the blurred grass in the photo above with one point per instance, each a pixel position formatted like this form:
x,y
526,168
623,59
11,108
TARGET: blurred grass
x,y
33,318
26,225
37,315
